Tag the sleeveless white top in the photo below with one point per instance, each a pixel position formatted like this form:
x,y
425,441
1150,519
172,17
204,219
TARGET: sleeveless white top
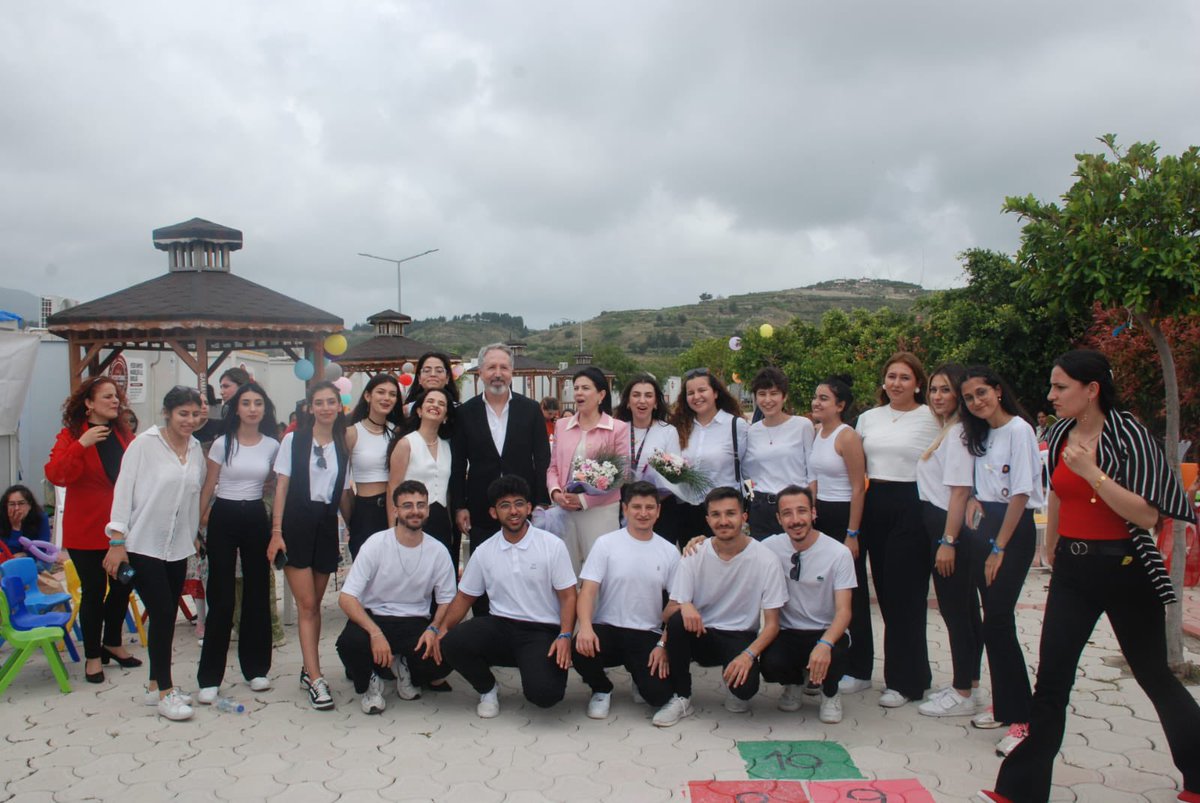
x,y
368,460
829,469
423,468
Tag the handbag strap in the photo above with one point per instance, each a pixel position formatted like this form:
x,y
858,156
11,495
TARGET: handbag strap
x,y
737,461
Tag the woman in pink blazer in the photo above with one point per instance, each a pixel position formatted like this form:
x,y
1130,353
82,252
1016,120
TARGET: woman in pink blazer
x,y
591,431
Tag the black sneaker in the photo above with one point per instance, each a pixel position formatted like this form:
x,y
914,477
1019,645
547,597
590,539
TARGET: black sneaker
x,y
319,696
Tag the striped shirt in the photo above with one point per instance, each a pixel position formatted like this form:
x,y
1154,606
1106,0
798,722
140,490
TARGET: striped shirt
x,y
1129,454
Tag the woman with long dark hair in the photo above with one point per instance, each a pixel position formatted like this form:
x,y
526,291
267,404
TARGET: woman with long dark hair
x,y
374,421
591,431
421,451
24,518
1109,486
239,465
312,469
86,460
895,435
777,450
155,516
712,435
434,370
644,407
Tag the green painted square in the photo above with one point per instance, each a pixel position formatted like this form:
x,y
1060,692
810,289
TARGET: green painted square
x,y
806,761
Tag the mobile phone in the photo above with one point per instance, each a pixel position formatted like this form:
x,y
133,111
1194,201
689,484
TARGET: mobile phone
x,y
280,559
976,518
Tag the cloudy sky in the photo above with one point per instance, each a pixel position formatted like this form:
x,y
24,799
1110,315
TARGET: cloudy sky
x,y
565,157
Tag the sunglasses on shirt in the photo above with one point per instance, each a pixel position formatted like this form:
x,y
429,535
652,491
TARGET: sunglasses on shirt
x,y
319,453
795,571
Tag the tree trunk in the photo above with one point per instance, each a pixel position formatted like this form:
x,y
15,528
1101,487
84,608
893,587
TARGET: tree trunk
x,y
1174,622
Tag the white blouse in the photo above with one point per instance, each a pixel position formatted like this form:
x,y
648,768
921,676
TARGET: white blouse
x,y
710,448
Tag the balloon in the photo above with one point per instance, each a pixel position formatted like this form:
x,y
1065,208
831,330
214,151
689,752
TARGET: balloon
x,y
342,383
44,551
735,343
406,379
457,371
346,399
333,371
336,344
408,368
766,330
303,369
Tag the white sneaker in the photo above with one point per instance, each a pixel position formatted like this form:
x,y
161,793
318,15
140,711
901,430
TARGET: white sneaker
x,y
173,707
892,699
949,703
675,709
208,695
1017,733
319,696
261,683
986,721
735,704
489,704
404,685
852,685
598,705
831,709
372,701
151,699
791,698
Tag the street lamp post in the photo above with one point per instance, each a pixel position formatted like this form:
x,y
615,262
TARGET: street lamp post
x,y
397,262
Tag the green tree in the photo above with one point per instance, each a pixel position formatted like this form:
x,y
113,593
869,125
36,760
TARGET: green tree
x,y
712,353
1127,234
614,358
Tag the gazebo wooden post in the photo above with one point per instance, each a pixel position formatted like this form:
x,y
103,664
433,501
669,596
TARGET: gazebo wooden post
x,y
202,365
315,351
74,361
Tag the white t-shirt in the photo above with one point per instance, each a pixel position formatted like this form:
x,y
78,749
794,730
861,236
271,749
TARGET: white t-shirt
x,y
777,457
1011,464
391,579
730,593
894,441
368,461
828,468
249,466
950,465
710,448
520,579
633,575
825,567
320,480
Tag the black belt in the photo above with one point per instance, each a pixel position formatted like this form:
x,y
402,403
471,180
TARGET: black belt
x,y
1080,547
378,500
770,499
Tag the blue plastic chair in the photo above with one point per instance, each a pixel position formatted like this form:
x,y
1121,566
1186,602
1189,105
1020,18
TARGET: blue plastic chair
x,y
35,600
25,643
22,618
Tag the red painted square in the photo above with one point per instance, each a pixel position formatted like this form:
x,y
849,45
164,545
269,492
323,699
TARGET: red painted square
x,y
907,790
747,792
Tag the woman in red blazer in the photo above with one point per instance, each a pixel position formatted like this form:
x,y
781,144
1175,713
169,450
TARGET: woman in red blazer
x,y
85,460
591,431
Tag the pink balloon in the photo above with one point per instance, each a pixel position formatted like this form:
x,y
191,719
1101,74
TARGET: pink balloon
x,y
342,384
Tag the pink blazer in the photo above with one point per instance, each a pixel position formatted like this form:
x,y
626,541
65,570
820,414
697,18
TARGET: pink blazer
x,y
610,435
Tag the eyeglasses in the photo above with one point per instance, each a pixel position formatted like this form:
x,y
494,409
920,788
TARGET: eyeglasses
x,y
18,503
695,372
795,572
433,369
319,453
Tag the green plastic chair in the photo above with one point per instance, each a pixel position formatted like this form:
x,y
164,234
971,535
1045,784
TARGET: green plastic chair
x,y
24,642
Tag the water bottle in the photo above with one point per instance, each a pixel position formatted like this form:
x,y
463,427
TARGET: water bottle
x,y
125,573
227,705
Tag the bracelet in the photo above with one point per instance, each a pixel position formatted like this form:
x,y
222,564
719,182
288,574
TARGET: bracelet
x,y
749,652
434,629
661,644
566,635
852,533
116,542
826,642
996,548
377,633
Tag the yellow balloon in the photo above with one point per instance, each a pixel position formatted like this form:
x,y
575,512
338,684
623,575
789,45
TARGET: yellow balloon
x,y
335,345
766,330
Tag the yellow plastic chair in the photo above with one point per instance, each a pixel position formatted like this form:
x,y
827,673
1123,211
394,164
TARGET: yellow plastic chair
x,y
133,619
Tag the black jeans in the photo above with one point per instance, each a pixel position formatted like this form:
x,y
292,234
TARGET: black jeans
x,y
623,646
786,660
763,521
714,648
402,633
690,522
1082,588
833,519
1011,696
237,527
159,583
103,601
368,517
958,599
893,539
480,643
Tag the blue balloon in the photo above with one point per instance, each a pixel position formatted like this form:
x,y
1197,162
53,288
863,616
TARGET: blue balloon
x,y
304,370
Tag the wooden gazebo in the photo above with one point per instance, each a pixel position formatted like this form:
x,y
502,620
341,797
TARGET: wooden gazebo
x,y
198,309
563,378
389,349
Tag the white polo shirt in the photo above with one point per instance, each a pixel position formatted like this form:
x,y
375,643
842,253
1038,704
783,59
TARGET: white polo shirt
x,y
730,593
521,579
391,579
825,567
633,575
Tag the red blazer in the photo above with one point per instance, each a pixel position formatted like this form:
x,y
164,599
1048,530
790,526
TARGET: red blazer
x,y
89,491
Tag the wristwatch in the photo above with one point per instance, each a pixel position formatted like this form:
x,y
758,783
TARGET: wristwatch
x,y
948,541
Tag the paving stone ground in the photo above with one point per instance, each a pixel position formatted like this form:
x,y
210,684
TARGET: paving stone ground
x,y
101,743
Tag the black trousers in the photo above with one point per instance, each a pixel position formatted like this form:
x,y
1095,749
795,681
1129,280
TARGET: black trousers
x,y
402,633
623,646
833,519
691,522
786,660
480,643
368,517
958,599
714,648
763,521
893,539
441,528
103,601
1011,695
159,583
237,527
1081,589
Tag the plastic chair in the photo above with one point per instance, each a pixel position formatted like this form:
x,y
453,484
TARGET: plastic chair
x,y
75,589
26,570
134,619
23,619
24,642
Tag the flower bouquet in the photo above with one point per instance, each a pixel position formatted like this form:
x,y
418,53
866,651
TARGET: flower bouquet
x,y
597,475
678,470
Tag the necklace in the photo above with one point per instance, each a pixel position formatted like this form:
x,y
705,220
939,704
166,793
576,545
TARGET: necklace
x,y
181,454
900,415
400,548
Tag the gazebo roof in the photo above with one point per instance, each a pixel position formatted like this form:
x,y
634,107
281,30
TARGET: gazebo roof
x,y
197,229
385,352
526,366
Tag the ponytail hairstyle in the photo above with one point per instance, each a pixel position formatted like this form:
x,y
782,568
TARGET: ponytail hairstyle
x,y
975,429
842,388
1088,366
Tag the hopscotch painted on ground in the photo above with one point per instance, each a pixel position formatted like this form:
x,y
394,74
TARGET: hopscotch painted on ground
x,y
804,772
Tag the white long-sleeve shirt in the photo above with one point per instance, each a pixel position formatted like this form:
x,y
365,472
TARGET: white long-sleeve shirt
x,y
156,502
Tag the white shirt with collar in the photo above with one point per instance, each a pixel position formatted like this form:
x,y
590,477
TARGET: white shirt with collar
x,y
710,448
498,422
156,502
521,579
